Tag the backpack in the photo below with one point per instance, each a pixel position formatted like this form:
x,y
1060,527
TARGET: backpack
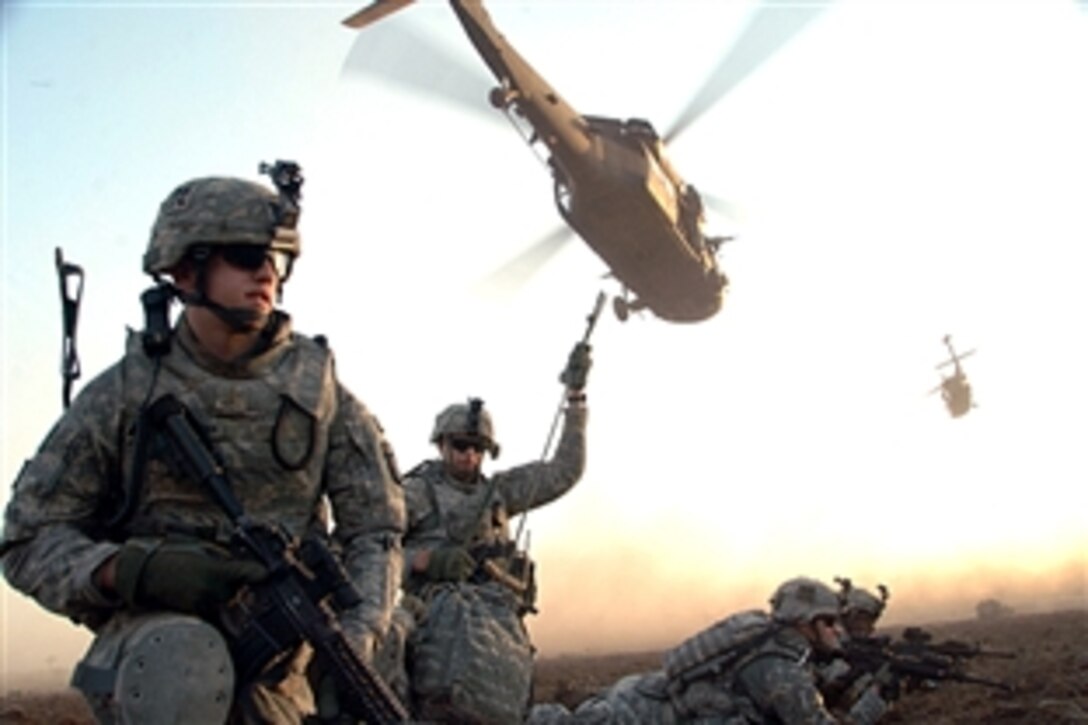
x,y
470,659
717,648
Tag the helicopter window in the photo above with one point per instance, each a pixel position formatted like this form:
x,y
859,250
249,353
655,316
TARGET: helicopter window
x,y
661,186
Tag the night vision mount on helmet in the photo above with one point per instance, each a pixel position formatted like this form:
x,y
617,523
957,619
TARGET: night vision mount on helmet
x,y
218,211
215,211
469,419
854,599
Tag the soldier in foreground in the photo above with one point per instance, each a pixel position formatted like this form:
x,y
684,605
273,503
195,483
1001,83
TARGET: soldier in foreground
x,y
751,667
107,527
470,659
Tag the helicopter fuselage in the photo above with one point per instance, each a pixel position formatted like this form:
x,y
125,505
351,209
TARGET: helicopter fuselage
x,y
956,393
955,388
613,186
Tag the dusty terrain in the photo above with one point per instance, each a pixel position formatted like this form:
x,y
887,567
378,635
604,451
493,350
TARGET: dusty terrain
x,y
1049,674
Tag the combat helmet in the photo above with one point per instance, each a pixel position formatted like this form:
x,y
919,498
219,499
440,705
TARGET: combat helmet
x,y
469,419
217,211
803,599
855,600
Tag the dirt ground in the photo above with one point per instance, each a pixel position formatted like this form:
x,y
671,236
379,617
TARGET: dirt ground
x,y
1049,675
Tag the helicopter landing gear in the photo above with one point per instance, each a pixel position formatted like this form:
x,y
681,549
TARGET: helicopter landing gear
x,y
500,97
623,307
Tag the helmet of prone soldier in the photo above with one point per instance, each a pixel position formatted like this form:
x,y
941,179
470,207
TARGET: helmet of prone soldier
x,y
220,211
466,419
861,601
802,600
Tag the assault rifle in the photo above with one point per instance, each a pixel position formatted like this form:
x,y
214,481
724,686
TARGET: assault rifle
x,y
914,666
504,563
70,277
298,600
918,640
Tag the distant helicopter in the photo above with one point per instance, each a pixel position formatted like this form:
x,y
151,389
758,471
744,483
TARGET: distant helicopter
x,y
613,184
954,388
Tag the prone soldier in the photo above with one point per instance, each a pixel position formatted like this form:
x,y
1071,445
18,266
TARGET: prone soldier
x,y
751,667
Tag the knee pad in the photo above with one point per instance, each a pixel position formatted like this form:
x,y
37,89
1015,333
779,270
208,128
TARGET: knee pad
x,y
174,670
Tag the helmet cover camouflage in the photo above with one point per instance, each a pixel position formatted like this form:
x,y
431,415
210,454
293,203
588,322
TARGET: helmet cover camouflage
x,y
802,600
218,211
469,419
862,600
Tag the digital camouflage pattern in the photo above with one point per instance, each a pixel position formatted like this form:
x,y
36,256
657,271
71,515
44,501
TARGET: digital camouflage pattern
x,y
218,210
458,419
471,659
445,511
287,434
771,681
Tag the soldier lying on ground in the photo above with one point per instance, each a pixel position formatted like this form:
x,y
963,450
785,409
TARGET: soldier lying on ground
x,y
844,684
751,667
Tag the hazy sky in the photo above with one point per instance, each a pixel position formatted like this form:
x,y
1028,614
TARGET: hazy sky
x,y
906,170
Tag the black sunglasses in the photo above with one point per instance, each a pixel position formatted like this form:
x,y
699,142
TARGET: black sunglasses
x,y
463,444
252,257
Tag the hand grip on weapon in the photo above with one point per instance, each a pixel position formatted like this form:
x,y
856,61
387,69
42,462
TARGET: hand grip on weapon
x,y
450,563
185,576
579,361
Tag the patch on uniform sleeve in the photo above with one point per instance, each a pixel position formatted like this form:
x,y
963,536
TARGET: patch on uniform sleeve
x,y
293,436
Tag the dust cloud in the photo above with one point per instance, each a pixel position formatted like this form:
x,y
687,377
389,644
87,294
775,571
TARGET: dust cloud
x,y
617,600
614,607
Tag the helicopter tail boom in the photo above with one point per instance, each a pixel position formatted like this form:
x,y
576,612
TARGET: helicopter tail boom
x,y
557,124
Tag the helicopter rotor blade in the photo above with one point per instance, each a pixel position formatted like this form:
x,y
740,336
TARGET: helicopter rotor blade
x,y
514,274
722,206
771,26
395,54
959,356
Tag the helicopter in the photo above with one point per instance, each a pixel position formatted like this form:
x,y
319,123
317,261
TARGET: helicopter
x,y
955,389
613,183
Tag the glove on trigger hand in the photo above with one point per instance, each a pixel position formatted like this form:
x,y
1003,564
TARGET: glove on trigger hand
x,y
578,364
187,576
869,708
451,564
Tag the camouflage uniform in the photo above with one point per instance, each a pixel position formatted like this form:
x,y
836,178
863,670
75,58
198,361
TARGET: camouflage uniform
x,y
772,683
851,689
290,438
443,510
487,662
750,667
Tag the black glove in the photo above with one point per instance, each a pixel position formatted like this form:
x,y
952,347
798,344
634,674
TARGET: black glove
x,y
578,365
188,576
450,564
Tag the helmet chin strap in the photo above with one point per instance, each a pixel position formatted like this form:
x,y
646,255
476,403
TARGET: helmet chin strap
x,y
238,319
